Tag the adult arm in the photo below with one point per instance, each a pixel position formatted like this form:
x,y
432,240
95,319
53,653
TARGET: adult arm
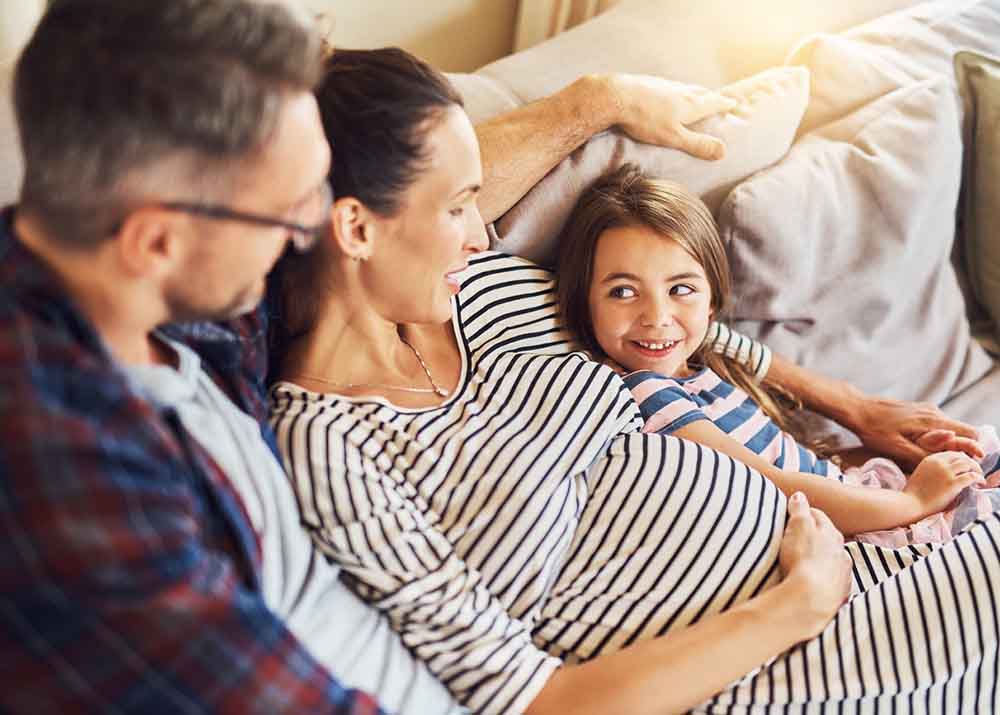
x,y
521,146
905,431
676,672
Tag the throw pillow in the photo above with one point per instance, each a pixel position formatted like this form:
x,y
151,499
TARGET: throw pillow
x,y
896,50
979,82
484,98
757,133
841,252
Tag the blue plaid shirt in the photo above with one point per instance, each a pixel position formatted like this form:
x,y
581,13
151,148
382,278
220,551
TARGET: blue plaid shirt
x,y
128,567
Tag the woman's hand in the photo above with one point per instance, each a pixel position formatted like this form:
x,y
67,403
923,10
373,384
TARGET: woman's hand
x,y
939,478
813,559
655,111
909,431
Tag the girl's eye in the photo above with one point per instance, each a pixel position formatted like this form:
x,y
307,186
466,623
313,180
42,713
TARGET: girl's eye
x,y
622,292
681,289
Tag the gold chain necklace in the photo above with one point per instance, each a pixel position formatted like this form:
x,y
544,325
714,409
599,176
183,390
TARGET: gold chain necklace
x,y
434,389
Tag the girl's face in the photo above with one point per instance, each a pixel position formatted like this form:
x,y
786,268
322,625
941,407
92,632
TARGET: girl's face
x,y
650,301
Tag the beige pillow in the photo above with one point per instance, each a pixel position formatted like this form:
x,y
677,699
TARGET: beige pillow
x,y
841,253
11,161
850,70
484,98
757,133
979,82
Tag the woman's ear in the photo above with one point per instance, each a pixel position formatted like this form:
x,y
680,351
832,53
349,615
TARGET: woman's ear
x,y
353,228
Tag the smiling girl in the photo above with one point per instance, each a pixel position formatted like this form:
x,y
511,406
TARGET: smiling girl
x,y
642,275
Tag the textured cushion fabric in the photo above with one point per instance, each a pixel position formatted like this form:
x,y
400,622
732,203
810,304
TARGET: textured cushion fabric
x,y
706,42
484,98
979,82
757,133
852,69
17,21
841,252
11,163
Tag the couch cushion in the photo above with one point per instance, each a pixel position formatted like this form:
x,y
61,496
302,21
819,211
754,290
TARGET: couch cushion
x,y
11,163
841,252
757,133
484,97
869,61
979,81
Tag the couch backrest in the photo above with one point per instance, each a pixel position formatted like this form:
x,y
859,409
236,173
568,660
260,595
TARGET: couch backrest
x,y
710,42
17,20
707,42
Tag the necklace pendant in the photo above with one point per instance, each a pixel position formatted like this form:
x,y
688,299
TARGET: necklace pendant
x,y
440,392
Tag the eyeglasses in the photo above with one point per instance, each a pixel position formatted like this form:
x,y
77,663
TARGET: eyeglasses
x,y
304,236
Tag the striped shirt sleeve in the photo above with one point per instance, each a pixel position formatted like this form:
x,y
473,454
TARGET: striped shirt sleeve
x,y
396,559
664,403
749,352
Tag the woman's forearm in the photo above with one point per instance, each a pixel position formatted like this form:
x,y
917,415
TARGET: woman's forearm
x,y
674,673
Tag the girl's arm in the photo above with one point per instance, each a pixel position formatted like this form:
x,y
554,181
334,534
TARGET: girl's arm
x,y
676,672
854,510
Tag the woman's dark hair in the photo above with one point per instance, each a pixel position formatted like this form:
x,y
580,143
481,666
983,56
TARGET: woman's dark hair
x,y
377,108
626,197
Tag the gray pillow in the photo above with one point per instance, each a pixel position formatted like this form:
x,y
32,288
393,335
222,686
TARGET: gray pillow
x,y
979,82
850,70
757,133
841,252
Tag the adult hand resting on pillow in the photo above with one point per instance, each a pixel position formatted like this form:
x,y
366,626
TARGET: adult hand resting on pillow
x,y
518,148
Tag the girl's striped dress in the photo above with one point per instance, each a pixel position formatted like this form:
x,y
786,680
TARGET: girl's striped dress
x,y
529,520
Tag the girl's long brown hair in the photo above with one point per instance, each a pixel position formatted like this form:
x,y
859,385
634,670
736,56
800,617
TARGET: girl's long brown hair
x,y
626,197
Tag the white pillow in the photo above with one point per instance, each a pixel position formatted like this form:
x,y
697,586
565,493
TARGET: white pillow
x,y
841,252
757,133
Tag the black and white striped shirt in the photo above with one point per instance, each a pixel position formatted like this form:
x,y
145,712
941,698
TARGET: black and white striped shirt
x,y
465,522
528,521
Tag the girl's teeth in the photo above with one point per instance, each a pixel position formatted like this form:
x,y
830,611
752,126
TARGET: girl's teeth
x,y
655,346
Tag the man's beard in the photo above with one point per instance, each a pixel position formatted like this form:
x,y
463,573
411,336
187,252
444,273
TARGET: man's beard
x,y
187,308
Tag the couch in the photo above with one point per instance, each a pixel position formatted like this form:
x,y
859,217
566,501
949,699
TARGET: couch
x,y
850,156
855,198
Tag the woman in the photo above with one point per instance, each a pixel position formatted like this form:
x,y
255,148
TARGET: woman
x,y
490,490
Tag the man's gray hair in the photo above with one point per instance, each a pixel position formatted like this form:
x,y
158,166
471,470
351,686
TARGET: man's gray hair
x,y
110,93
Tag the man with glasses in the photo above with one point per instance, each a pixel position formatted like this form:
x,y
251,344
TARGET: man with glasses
x,y
153,558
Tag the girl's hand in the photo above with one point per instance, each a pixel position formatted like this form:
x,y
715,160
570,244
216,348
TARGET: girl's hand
x,y
813,558
939,478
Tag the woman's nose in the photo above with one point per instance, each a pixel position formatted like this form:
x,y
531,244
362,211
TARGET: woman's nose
x,y
476,238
